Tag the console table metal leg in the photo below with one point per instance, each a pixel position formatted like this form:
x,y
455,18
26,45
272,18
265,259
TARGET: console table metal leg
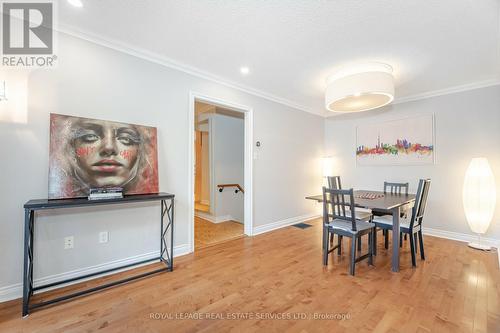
x,y
167,209
171,218
162,202
29,217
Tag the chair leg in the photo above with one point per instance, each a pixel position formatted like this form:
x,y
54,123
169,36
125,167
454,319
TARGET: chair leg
x,y
371,246
353,256
386,241
331,239
374,242
339,248
400,239
405,236
415,242
359,243
413,254
325,246
421,242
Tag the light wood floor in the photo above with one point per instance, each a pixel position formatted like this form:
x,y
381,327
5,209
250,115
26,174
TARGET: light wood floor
x,y
207,233
456,289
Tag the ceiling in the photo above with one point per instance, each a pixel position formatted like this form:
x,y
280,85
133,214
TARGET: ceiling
x,y
292,46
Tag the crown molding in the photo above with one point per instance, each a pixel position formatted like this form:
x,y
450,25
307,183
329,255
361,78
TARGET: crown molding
x,y
447,91
436,93
170,63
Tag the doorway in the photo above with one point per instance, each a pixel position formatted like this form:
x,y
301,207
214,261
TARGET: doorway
x,y
221,151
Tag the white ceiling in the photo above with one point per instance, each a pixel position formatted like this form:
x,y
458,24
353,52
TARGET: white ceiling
x,y
292,46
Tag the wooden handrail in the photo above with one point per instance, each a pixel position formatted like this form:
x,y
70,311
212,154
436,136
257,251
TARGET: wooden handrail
x,y
238,187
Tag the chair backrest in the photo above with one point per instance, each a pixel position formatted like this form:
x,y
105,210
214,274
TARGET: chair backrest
x,y
334,182
396,188
420,202
335,206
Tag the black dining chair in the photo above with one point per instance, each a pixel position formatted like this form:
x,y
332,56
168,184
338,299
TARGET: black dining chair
x,y
392,188
412,226
396,188
362,214
336,221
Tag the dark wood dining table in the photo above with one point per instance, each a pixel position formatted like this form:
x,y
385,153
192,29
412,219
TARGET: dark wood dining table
x,y
384,202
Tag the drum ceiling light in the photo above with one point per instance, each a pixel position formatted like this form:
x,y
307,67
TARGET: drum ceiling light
x,y
360,88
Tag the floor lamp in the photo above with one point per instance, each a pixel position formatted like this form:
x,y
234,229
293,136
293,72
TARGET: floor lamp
x,y
479,198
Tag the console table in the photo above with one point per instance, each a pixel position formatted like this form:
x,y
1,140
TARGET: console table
x,y
30,208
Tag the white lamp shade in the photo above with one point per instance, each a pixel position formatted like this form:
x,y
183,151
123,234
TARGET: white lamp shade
x,y
362,89
327,166
479,195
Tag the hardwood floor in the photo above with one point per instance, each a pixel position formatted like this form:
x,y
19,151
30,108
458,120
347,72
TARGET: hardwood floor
x,y
207,233
457,289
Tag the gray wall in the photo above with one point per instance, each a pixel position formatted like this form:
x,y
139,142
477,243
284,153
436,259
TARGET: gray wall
x,y
228,134
97,82
467,125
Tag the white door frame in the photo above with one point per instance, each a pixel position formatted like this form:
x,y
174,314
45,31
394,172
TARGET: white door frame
x,y
248,159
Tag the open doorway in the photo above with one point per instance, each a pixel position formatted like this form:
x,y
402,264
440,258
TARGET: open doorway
x,y
221,155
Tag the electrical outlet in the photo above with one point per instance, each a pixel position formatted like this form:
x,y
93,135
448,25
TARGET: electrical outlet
x,y
103,237
69,242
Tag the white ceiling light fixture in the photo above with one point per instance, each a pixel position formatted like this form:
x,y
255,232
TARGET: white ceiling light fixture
x,y
76,3
360,88
244,70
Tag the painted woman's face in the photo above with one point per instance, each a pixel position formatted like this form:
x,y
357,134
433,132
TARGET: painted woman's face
x,y
106,152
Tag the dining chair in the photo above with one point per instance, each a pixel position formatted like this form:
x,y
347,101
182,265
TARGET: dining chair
x,y
412,226
336,221
396,188
362,214
392,188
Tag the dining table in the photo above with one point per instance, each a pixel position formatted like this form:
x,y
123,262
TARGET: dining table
x,y
390,203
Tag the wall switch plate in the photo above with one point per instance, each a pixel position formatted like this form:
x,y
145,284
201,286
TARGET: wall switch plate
x,y
69,242
103,237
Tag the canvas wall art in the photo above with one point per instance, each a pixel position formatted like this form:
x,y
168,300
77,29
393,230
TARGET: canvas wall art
x,y
86,153
399,142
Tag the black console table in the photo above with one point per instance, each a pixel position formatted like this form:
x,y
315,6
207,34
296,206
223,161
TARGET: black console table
x,y
30,208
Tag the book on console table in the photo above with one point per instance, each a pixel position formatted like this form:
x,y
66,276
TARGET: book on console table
x,y
102,193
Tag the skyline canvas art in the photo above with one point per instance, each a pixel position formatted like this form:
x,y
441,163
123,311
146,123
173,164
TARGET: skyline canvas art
x,y
86,153
407,141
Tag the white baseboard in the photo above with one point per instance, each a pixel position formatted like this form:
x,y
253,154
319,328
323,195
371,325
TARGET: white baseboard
x,y
214,219
14,291
205,216
224,218
283,223
460,237
495,243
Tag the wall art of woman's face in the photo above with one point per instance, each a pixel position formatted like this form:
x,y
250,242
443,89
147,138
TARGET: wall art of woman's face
x,y
88,153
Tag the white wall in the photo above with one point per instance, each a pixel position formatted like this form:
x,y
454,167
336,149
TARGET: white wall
x,y
228,135
97,82
467,125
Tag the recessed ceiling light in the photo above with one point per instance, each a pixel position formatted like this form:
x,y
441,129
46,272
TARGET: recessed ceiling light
x,y
76,3
244,70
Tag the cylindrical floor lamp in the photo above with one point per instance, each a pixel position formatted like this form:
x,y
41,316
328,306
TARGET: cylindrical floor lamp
x,y
479,198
